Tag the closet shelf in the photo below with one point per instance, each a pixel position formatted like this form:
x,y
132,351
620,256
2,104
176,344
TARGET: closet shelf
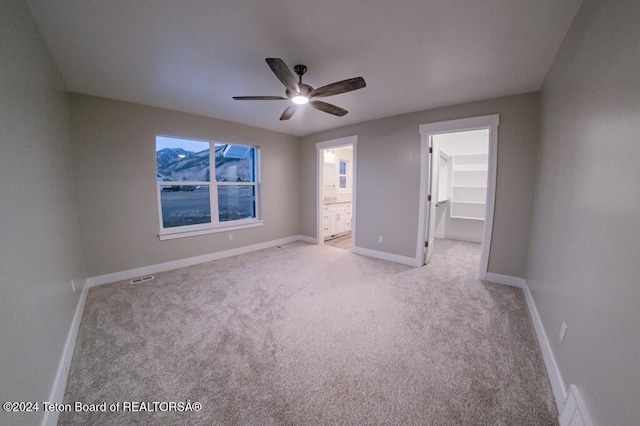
x,y
473,154
471,168
467,218
469,189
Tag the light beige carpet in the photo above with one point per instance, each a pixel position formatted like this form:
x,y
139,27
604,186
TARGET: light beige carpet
x,y
306,335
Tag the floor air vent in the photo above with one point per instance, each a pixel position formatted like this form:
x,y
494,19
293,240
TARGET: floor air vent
x,y
141,279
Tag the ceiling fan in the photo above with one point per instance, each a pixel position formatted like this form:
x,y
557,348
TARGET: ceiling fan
x,y
300,93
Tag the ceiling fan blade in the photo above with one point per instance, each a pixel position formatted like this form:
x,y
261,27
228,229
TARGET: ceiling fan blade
x,y
288,113
258,98
331,109
339,87
283,73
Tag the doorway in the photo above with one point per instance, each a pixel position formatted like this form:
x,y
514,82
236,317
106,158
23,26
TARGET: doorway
x,y
336,189
457,184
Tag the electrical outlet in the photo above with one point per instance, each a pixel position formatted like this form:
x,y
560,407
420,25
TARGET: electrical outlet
x,y
563,331
380,239
230,237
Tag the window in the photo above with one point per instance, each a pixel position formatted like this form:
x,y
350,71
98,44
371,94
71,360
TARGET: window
x,y
191,201
342,174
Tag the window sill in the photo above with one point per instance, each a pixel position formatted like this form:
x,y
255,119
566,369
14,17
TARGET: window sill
x,y
172,235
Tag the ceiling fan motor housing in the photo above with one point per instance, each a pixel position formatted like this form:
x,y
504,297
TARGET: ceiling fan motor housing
x,y
300,70
305,89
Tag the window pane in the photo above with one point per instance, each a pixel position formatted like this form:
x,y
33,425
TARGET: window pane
x,y
343,167
185,205
236,202
182,160
234,163
343,182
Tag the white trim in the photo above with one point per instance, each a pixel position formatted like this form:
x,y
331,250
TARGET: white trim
x,y
213,184
506,280
490,122
492,181
557,384
307,239
179,233
422,197
462,124
575,411
354,193
50,418
320,192
336,143
181,263
386,256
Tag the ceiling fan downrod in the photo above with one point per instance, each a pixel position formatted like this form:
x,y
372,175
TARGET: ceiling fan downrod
x,y
300,70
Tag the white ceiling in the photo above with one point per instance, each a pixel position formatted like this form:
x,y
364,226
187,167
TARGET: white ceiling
x,y
194,55
468,142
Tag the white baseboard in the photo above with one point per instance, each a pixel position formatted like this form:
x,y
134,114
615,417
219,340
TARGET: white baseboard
x,y
307,239
181,263
50,418
575,411
557,385
411,261
506,280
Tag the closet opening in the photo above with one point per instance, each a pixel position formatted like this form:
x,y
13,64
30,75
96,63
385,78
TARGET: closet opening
x,y
458,186
461,167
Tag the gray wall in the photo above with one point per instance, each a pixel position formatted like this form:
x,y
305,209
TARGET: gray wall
x,y
388,180
457,229
115,175
584,257
40,250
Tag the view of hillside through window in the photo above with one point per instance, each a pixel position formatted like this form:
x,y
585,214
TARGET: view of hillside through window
x,y
187,190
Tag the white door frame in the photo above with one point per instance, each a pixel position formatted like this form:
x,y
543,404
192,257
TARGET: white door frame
x,y
336,143
489,122
433,157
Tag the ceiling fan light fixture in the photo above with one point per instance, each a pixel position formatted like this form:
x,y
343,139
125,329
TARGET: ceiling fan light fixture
x,y
300,99
301,94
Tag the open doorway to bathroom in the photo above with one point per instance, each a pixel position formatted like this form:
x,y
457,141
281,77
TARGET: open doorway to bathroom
x,y
336,190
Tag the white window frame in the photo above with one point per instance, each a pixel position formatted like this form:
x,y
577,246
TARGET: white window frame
x,y
215,226
347,175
